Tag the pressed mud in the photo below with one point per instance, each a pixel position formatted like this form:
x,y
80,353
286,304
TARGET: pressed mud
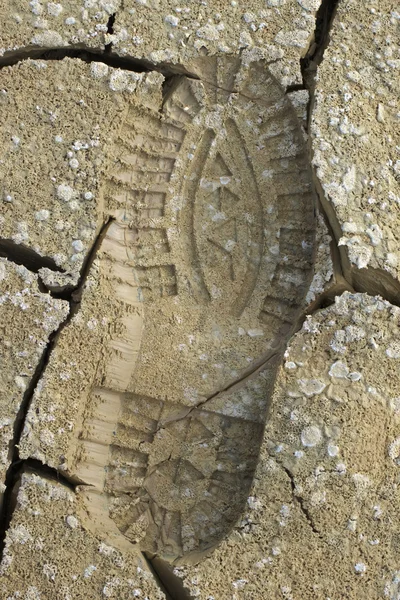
x,y
182,311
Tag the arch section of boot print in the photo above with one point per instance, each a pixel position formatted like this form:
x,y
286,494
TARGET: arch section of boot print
x,y
212,253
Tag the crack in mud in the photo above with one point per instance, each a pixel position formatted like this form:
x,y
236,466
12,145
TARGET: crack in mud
x,y
110,30
13,482
300,502
16,463
89,55
323,300
73,293
321,38
367,280
27,257
295,87
238,383
169,583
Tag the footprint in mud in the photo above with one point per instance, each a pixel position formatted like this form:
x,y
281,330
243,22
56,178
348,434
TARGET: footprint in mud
x,y
210,256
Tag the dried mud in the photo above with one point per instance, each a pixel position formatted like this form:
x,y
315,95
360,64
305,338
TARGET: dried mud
x,y
160,211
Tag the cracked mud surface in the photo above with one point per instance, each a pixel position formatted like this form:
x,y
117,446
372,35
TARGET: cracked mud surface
x,y
355,139
167,183
277,30
39,553
29,317
154,422
326,486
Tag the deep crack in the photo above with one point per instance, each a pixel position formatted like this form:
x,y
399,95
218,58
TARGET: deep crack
x,y
110,31
89,55
367,280
295,87
23,255
73,293
169,583
321,37
110,24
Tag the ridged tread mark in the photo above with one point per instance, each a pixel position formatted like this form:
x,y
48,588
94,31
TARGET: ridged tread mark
x,y
198,429
172,506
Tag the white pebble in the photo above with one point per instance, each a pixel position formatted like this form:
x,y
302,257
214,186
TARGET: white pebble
x,y
74,163
54,9
118,81
290,365
339,370
311,436
42,215
394,451
65,192
255,332
393,350
72,521
98,70
20,382
78,245
171,20
311,387
355,376
360,568
333,450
